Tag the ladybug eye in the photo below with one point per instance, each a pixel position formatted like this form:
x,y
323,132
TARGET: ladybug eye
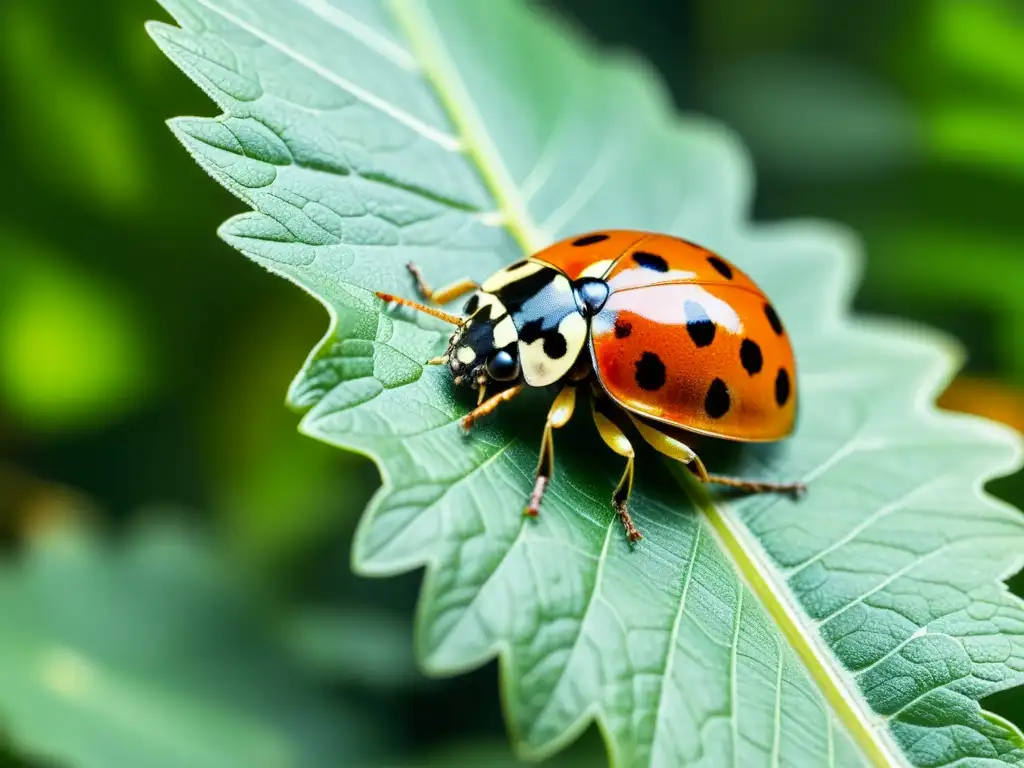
x,y
502,366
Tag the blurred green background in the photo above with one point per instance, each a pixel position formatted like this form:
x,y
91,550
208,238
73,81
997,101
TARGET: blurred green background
x,y
143,363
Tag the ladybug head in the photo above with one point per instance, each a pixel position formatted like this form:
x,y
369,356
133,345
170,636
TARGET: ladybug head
x,y
484,350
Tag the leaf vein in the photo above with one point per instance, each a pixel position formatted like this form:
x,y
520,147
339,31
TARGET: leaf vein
x,y
674,632
442,139
777,735
594,597
900,574
364,34
870,520
733,679
585,191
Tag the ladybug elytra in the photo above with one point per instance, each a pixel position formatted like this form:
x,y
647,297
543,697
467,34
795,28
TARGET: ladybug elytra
x,y
662,331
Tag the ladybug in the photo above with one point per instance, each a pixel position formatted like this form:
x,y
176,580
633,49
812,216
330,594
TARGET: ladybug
x,y
663,332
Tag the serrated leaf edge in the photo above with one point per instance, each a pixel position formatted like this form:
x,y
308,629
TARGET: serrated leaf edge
x,y
868,730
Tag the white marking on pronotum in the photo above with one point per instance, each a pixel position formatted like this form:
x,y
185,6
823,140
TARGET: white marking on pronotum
x,y
505,333
539,369
574,328
508,275
465,355
490,300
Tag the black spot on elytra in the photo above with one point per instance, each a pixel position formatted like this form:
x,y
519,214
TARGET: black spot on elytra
x,y
751,357
720,267
589,240
650,372
555,346
773,318
782,387
698,324
622,329
650,261
472,305
717,402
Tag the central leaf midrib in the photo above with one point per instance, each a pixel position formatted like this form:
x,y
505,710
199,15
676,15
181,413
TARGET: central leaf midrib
x,y
415,21
758,575
417,24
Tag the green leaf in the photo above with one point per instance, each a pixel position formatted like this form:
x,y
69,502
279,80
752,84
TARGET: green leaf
x,y
976,76
981,40
858,626
75,131
151,654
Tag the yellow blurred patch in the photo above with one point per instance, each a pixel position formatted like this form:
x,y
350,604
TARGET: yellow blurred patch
x,y
985,397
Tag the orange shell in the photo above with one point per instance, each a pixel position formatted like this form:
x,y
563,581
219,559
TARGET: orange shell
x,y
686,337
595,258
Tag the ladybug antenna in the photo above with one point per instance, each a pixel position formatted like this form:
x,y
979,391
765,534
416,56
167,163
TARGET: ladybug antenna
x,y
448,318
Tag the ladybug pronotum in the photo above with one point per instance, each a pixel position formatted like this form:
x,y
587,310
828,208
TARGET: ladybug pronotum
x,y
662,331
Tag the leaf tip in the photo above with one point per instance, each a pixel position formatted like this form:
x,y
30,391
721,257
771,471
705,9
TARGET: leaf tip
x,y
159,31
183,129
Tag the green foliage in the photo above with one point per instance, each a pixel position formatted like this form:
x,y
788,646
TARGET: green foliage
x,y
908,127
102,159
334,645
262,465
803,118
583,754
70,345
979,45
153,653
860,625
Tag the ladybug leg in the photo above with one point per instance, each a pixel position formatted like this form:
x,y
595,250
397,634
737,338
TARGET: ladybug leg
x,y
442,295
681,452
558,416
390,298
490,404
753,486
616,439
